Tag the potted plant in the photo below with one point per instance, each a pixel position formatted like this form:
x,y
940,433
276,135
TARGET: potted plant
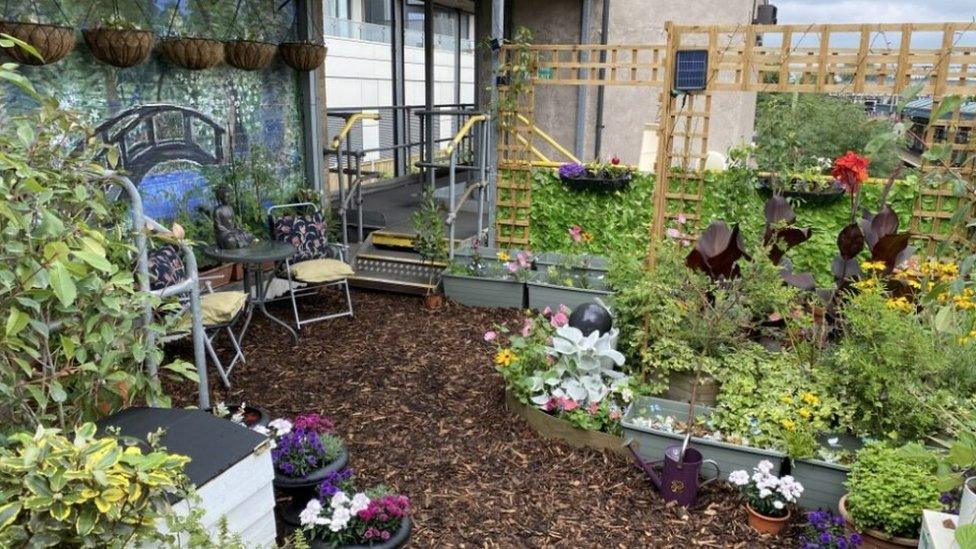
x,y
252,417
302,56
769,498
596,176
428,224
824,530
119,42
306,452
51,42
887,489
342,516
495,282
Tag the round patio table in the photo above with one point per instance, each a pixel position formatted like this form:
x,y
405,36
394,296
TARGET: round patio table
x,y
253,259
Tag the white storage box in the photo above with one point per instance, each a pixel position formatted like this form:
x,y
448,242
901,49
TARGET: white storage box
x,y
938,531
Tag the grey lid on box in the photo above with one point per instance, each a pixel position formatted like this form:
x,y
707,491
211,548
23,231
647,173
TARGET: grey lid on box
x,y
213,445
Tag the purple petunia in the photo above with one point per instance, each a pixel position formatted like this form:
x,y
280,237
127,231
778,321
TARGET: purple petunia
x,y
335,482
571,170
299,452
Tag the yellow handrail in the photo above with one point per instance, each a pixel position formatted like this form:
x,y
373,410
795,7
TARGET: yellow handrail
x,y
337,140
465,129
538,154
548,139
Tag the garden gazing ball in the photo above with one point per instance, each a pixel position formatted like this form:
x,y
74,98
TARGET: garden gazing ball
x,y
590,317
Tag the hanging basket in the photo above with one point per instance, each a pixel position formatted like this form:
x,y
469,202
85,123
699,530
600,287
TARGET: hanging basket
x,y
121,48
192,53
249,55
53,42
302,56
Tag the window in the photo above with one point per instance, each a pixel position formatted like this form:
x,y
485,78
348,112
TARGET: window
x,y
377,12
340,9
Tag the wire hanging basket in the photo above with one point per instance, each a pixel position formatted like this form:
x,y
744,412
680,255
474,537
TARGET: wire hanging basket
x,y
249,55
52,42
194,54
302,56
117,41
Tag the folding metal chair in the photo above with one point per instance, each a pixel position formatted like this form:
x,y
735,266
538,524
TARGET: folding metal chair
x,y
220,310
317,263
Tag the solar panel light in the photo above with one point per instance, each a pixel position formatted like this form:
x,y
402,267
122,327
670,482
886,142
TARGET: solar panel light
x,y
691,70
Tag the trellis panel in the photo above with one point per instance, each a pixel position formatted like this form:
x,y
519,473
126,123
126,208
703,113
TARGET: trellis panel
x,y
513,200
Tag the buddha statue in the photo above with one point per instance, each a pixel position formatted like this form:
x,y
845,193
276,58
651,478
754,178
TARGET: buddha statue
x,y
228,235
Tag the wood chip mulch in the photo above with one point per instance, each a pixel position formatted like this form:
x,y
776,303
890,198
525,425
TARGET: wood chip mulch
x,y
416,398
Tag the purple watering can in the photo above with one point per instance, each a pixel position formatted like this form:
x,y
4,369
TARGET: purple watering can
x,y
679,479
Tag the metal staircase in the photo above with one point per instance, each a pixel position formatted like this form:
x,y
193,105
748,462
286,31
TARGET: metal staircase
x,y
382,253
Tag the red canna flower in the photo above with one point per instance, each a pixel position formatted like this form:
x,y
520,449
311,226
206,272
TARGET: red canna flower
x,y
615,160
851,170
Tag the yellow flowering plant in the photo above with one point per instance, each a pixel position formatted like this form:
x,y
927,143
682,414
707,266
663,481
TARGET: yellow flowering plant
x,y
85,490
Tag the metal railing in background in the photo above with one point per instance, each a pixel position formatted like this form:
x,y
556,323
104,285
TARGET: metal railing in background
x,y
352,184
372,32
480,184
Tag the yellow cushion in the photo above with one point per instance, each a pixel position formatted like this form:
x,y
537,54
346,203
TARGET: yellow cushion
x,y
320,270
221,307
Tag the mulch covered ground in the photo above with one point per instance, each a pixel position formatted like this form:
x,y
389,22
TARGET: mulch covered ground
x,y
415,396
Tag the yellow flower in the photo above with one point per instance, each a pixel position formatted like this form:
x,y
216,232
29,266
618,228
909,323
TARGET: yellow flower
x,y
505,357
866,284
786,399
964,302
788,424
962,340
810,398
503,256
873,265
805,413
899,304
587,237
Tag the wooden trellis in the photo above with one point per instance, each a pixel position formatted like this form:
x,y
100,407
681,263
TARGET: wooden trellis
x,y
836,59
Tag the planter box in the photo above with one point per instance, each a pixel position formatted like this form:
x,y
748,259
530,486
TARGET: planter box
x,y
597,266
484,292
597,183
651,443
823,483
542,294
552,427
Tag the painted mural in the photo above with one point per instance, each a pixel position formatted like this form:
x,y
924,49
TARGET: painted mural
x,y
259,110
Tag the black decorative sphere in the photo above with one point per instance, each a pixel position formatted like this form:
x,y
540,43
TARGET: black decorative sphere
x,y
590,317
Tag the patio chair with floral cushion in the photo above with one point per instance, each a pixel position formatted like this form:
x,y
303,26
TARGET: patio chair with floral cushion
x,y
317,263
220,311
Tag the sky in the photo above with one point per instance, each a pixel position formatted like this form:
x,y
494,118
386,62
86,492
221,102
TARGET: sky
x,y
874,11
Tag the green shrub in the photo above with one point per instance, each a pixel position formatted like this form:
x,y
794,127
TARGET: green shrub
x,y
888,488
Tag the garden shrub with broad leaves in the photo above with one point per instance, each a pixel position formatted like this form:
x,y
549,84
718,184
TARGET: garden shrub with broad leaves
x,y
72,347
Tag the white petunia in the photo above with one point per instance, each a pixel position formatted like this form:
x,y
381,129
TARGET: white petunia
x,y
339,499
739,478
778,504
359,503
261,430
311,512
765,466
765,493
281,426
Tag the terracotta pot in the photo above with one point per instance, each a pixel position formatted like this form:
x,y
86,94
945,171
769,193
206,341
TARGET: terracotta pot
x,y
434,302
249,55
767,525
302,56
873,539
53,42
192,53
121,48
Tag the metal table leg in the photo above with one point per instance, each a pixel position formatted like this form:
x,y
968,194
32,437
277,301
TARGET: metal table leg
x,y
262,289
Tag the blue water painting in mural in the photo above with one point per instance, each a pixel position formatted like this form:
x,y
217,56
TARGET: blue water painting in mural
x,y
163,194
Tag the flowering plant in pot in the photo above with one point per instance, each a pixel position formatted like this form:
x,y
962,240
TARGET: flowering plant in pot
x,y
306,451
343,516
769,498
824,530
596,175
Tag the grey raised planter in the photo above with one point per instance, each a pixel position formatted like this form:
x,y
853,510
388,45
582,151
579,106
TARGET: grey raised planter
x,y
651,443
542,294
596,266
484,292
823,483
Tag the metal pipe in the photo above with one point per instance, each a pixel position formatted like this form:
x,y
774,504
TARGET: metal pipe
x,y
429,84
497,34
197,318
142,269
342,198
581,91
359,197
600,92
450,194
482,182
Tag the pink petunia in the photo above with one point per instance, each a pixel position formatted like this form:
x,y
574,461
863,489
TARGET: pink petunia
x,y
491,335
564,309
593,408
615,415
569,405
576,233
512,266
673,233
559,320
682,219
527,327
547,312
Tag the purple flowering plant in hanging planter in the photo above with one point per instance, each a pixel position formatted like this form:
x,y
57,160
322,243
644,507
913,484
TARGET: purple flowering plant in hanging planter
x,y
572,170
824,530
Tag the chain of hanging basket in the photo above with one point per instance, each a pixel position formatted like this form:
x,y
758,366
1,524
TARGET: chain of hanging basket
x,y
302,55
248,55
118,45
52,42
189,52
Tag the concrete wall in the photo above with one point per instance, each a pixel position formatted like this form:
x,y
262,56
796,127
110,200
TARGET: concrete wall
x,y
627,109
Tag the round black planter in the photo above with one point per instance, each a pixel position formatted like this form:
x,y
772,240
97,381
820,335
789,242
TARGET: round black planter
x,y
397,540
600,184
253,415
814,198
301,490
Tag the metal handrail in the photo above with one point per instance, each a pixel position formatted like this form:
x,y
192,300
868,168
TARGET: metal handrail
x,y
481,184
355,187
350,122
548,139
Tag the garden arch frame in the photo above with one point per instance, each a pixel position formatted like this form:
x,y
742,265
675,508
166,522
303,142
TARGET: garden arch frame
x,y
884,61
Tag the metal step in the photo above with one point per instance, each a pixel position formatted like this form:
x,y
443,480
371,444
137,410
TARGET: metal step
x,y
398,270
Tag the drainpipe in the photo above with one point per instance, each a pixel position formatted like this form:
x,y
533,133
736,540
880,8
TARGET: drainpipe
x,y
496,35
429,89
585,9
604,30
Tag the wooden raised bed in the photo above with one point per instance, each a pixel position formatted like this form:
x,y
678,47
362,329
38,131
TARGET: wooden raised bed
x,y
552,427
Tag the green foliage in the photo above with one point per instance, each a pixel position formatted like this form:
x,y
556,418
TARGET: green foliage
x,y
794,130
889,487
82,491
71,346
884,365
428,223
